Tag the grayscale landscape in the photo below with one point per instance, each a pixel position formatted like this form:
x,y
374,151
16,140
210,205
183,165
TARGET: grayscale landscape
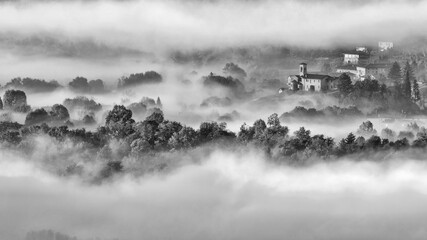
x,y
213,119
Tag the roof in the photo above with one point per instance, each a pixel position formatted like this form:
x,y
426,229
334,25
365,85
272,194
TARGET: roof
x,y
347,67
377,65
360,53
317,76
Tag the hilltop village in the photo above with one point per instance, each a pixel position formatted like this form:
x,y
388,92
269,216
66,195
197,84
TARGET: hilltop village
x,y
358,64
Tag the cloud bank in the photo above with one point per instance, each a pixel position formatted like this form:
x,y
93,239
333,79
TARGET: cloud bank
x,y
227,196
156,26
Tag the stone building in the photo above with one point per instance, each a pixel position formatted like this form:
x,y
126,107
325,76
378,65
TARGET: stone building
x,y
310,82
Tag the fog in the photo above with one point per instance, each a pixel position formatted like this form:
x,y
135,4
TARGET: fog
x,y
215,189
226,196
162,25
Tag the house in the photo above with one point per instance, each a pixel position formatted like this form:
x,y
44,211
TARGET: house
x,y
377,70
384,46
353,71
360,72
347,69
355,57
362,49
310,82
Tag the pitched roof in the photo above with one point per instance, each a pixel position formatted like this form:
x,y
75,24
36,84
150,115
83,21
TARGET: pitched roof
x,y
377,65
317,76
362,55
347,67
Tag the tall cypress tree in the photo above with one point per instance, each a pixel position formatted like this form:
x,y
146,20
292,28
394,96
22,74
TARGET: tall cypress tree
x,y
394,73
406,86
408,72
416,96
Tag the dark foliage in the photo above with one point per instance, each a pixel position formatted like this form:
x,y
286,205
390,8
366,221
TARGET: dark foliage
x,y
82,102
302,113
79,84
32,85
233,70
15,100
82,85
37,116
139,78
232,84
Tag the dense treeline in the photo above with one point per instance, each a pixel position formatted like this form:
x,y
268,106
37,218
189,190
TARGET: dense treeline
x,y
402,97
81,84
301,113
122,137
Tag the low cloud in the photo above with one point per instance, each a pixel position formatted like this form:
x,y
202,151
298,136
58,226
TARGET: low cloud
x,y
159,26
226,196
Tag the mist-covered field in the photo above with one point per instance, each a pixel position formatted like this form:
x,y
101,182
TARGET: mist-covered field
x,y
227,195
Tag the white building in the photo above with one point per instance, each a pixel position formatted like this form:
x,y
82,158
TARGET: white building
x,y
362,49
351,58
384,46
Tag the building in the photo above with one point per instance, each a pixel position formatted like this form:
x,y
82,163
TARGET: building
x,y
360,72
377,70
384,46
310,82
362,49
355,58
350,70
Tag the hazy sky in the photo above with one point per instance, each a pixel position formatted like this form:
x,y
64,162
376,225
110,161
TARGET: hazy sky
x,y
154,26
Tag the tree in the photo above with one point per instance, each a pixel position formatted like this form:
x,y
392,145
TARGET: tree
x,y
119,114
82,102
96,86
185,138
15,100
347,145
387,133
259,127
234,71
344,85
416,96
210,131
373,142
408,77
139,78
119,122
321,146
111,168
79,84
59,113
159,103
406,87
88,120
155,117
273,120
36,117
275,133
367,128
395,72
245,134
303,137
165,131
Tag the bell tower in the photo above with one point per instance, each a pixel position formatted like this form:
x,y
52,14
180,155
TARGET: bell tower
x,y
303,69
